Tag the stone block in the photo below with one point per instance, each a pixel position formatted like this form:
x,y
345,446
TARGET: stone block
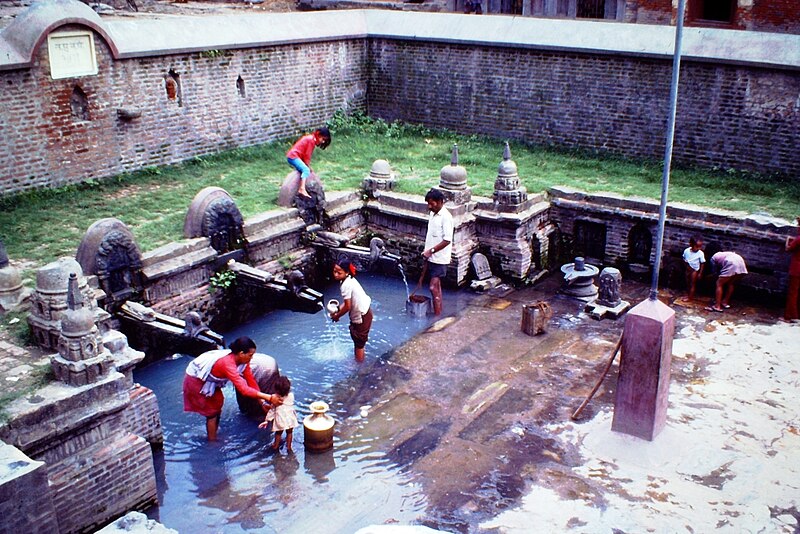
x,y
642,394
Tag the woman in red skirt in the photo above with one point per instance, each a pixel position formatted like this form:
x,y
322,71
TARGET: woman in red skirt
x,y
207,374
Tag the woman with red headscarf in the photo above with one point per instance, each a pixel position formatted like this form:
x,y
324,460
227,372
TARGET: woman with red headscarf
x,y
356,303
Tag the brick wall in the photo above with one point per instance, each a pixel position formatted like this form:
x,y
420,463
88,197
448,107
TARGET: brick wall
x,y
781,16
773,16
143,418
608,103
286,90
26,504
728,115
89,491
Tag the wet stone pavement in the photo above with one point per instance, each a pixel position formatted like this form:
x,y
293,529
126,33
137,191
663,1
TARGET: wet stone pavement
x,y
476,411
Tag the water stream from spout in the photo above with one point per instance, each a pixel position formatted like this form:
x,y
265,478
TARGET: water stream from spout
x,y
403,275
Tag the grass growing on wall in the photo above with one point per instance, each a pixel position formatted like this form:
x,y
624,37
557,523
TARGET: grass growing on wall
x,y
41,226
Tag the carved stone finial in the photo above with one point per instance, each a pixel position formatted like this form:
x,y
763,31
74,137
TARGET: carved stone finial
x,y
453,181
74,296
508,194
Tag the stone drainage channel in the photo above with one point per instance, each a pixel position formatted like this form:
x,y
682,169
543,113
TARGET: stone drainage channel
x,y
448,430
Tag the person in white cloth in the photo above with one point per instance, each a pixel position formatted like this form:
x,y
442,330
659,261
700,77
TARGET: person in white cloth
x,y
438,246
695,259
356,303
207,374
283,417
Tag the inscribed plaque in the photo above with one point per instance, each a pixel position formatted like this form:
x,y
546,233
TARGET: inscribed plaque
x,y
71,54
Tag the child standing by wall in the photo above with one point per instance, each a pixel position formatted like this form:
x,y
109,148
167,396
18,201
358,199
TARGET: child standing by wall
x,y
356,304
793,291
695,260
299,156
283,417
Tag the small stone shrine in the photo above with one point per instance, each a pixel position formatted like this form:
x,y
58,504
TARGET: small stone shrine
x,y
453,181
312,208
81,357
508,195
12,293
109,252
214,214
608,301
484,279
381,178
49,301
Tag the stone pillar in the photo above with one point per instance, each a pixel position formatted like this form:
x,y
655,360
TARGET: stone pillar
x,y
640,406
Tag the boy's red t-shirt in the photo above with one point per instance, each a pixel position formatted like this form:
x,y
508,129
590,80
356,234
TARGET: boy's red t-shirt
x,y
303,149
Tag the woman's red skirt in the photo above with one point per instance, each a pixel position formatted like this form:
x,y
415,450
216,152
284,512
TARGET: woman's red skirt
x,y
194,401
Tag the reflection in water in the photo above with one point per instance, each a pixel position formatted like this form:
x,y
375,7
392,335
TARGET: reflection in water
x,y
239,483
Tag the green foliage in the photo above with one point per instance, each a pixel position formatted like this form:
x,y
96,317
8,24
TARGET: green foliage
x,y
211,54
223,280
16,324
287,262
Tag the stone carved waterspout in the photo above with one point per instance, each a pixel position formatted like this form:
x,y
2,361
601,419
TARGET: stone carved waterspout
x,y
292,292
374,258
162,335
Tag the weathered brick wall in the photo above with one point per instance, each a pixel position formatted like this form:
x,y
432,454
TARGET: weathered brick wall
x,y
143,418
287,89
608,103
26,504
782,16
772,16
648,11
89,491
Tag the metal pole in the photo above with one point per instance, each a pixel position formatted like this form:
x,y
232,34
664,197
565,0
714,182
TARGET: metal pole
x,y
673,105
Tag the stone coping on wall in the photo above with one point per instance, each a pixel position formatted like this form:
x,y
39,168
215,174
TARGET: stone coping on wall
x,y
269,220
681,214
177,257
14,463
269,224
167,35
58,408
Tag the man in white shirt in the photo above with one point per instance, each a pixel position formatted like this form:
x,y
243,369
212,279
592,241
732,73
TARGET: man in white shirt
x,y
438,246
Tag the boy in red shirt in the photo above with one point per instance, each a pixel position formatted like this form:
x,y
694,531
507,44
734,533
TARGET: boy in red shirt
x,y
299,156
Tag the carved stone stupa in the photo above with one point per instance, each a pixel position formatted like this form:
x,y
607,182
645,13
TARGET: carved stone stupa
x,y
82,359
381,177
12,293
453,181
508,195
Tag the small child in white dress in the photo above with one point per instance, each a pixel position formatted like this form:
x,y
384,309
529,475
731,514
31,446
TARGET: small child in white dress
x,y
283,417
694,258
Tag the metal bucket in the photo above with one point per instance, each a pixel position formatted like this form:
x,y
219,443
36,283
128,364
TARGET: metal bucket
x,y
418,305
